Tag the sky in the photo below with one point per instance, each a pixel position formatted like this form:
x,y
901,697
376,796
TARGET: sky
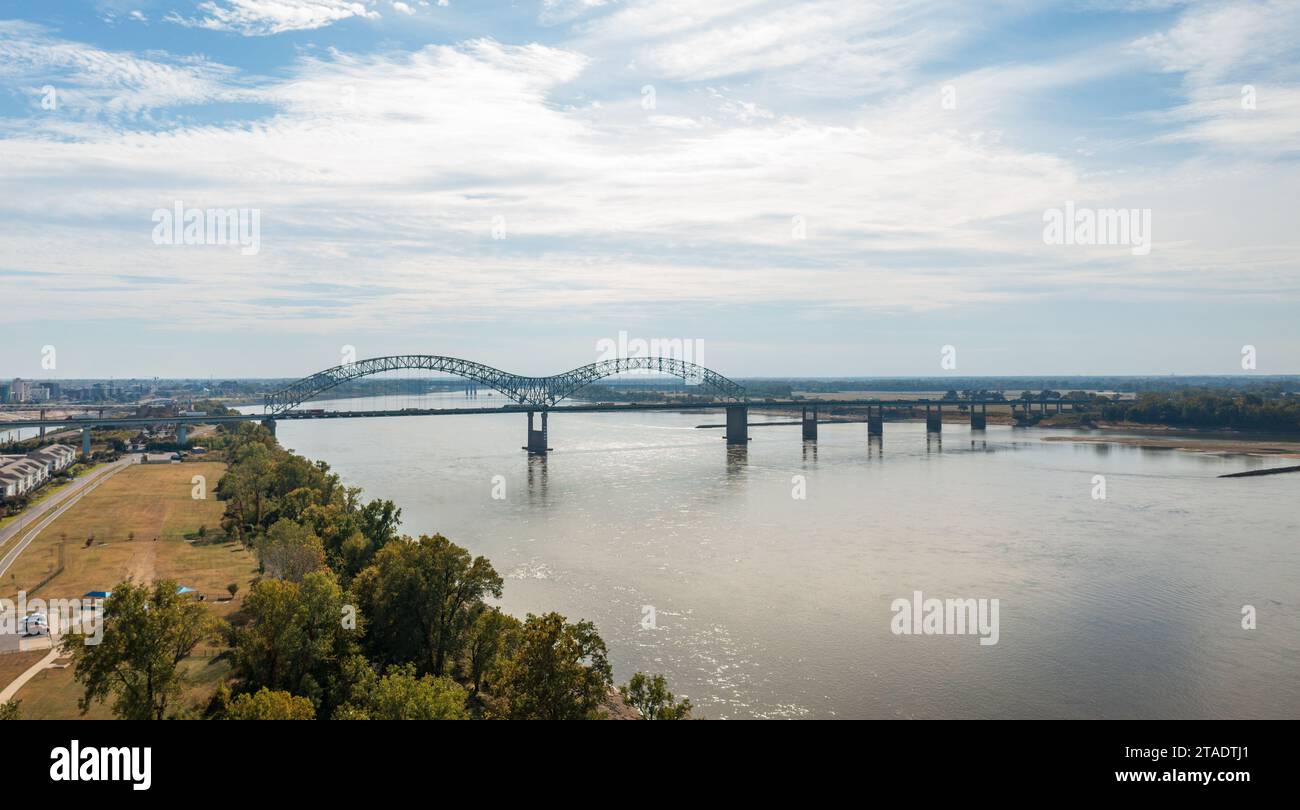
x,y
818,188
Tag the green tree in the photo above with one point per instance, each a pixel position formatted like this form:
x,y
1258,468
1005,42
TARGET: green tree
x,y
559,672
403,695
9,710
268,705
290,551
649,695
492,640
296,638
421,598
146,634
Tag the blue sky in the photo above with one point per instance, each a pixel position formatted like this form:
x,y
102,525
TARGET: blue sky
x,y
813,188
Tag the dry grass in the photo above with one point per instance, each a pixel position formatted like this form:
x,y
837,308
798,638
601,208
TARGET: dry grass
x,y
16,663
143,522
149,501
52,693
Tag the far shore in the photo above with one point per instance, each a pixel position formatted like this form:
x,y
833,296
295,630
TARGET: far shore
x,y
1201,442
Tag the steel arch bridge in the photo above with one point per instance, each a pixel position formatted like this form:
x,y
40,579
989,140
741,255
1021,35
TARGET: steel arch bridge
x,y
538,392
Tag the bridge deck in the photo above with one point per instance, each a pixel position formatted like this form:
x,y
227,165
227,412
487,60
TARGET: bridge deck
x,y
595,407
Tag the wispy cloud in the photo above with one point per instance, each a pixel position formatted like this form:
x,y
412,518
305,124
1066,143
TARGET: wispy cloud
x,y
797,155
265,17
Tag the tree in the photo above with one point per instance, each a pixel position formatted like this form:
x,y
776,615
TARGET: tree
x,y
268,705
559,672
245,486
9,710
421,598
296,638
492,640
146,634
290,551
650,696
402,695
233,588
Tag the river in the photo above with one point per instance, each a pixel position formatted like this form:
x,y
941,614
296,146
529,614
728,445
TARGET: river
x,y
699,561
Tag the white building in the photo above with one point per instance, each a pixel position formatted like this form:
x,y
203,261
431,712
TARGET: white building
x,y
60,456
20,475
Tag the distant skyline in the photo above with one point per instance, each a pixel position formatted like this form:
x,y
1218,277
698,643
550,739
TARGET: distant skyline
x,y
815,189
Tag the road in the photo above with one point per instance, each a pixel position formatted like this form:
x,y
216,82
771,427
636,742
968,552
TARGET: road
x,y
47,511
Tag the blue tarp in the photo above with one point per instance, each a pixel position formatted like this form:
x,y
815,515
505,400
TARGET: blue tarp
x,y
97,594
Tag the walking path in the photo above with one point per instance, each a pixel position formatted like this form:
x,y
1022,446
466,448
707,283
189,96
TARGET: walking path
x,y
9,691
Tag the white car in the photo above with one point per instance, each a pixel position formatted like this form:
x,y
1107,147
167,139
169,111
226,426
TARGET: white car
x,y
35,625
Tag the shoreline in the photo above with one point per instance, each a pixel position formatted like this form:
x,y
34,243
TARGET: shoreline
x,y
1217,442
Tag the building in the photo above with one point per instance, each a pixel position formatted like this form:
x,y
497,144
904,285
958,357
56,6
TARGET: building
x,y
25,474
21,475
59,456
10,485
18,390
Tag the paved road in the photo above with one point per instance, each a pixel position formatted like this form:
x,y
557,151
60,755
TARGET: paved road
x,y
45,512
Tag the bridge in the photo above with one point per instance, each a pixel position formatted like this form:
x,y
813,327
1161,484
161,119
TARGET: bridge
x,y
541,396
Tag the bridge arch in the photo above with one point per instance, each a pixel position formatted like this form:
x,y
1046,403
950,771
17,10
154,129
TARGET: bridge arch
x,y
540,392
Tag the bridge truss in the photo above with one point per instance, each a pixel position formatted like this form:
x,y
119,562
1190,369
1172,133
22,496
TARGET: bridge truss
x,y
539,392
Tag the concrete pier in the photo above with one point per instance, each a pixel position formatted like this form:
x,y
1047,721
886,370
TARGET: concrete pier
x,y
182,434
933,419
875,421
269,424
737,424
978,418
810,425
42,426
85,442
536,438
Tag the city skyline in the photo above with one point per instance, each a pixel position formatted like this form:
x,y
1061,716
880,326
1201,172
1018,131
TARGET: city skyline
x,y
816,190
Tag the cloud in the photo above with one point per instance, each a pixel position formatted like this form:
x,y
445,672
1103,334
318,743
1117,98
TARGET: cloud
x,y
383,173
95,81
820,47
1240,75
255,18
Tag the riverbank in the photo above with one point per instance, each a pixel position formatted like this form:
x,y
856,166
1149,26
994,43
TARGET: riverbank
x,y
1218,442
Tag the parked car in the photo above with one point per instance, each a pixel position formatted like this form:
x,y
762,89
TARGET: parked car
x,y
35,625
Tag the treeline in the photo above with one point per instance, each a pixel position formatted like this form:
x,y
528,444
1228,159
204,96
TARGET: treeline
x,y
1206,408
1265,386
349,620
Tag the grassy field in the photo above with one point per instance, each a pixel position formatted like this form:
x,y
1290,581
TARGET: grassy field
x,y
49,489
52,693
143,523
14,664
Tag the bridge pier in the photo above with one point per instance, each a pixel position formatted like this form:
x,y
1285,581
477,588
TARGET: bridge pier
x,y
876,421
933,419
269,424
182,434
978,420
810,425
85,442
738,424
536,438
42,426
